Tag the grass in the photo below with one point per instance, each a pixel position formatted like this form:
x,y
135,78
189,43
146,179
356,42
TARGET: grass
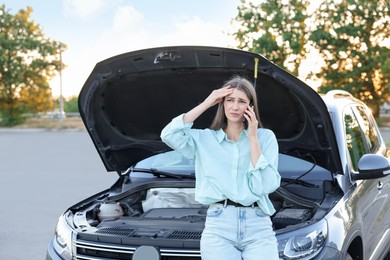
x,y
53,123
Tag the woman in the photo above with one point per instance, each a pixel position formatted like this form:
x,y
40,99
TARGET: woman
x,y
236,168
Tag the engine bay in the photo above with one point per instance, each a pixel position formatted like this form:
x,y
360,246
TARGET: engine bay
x,y
150,203
171,213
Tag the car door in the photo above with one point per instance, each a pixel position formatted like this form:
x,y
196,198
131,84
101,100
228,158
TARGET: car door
x,y
374,202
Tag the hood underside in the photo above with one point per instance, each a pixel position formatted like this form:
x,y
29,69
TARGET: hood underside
x,y
128,99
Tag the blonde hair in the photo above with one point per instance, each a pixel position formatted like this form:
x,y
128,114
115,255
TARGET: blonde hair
x,y
245,86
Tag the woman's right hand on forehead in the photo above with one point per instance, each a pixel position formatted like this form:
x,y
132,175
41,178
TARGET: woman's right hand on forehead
x,y
218,95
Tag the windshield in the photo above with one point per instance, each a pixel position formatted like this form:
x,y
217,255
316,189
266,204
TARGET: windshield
x,y
174,162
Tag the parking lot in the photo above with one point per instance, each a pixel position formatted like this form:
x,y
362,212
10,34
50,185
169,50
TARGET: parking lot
x,y
43,172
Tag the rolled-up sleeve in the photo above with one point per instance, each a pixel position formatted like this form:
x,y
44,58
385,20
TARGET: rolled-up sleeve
x,y
177,135
264,177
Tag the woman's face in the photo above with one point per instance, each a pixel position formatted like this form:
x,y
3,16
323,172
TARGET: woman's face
x,y
235,106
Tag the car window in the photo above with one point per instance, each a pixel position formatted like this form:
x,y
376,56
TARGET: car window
x,y
368,128
354,137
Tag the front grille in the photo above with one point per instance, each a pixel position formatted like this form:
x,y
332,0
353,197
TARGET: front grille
x,y
116,231
91,250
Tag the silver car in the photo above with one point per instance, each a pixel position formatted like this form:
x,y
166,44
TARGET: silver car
x,y
333,202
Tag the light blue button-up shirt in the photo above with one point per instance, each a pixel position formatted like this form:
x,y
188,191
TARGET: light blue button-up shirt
x,y
223,168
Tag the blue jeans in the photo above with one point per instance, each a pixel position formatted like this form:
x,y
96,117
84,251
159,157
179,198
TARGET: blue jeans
x,y
235,233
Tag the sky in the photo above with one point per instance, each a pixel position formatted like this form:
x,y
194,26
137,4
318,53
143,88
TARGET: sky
x,y
94,30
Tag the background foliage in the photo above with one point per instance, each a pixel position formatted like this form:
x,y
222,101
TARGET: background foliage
x,y
351,38
275,29
28,61
71,105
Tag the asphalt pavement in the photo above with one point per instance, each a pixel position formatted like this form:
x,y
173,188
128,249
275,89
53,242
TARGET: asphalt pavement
x,y
41,174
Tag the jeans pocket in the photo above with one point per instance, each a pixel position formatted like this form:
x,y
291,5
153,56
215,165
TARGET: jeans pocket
x,y
214,211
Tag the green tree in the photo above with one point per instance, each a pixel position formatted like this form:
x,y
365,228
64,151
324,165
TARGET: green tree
x,y
71,105
276,29
28,61
350,35
36,99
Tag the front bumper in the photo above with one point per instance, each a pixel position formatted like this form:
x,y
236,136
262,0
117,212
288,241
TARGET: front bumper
x,y
51,253
327,253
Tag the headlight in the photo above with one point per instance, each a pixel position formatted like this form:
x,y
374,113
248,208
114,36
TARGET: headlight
x,y
62,241
303,244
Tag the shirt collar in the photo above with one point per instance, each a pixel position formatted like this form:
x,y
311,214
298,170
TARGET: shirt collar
x,y
221,135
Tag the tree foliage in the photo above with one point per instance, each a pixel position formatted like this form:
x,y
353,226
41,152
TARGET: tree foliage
x,y
28,61
350,36
276,29
71,105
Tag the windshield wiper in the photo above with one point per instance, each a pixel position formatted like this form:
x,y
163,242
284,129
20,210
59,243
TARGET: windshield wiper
x,y
299,182
159,173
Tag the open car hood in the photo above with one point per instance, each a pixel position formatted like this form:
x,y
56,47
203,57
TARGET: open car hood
x,y
128,99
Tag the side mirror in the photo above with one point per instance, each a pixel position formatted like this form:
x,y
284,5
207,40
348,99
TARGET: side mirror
x,y
372,166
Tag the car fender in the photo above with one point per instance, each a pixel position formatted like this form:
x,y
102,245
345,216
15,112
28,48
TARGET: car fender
x,y
343,224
